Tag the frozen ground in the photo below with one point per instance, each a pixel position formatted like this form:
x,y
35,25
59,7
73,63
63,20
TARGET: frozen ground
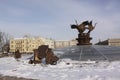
x,y
62,71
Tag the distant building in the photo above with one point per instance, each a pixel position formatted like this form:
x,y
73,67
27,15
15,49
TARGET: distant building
x,y
114,42
62,44
110,42
73,42
49,42
27,44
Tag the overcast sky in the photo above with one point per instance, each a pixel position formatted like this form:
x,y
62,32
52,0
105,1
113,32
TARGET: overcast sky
x,y
52,18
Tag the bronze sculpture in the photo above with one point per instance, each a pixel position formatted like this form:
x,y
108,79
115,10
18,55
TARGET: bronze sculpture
x,y
42,52
84,37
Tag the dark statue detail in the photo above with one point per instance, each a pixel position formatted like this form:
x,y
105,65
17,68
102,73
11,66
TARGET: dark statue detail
x,y
17,55
44,52
84,36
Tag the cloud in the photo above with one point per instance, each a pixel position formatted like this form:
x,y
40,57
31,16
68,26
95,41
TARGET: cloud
x,y
53,18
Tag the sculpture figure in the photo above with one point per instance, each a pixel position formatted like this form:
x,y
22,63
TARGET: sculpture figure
x,y
91,27
42,52
81,28
84,38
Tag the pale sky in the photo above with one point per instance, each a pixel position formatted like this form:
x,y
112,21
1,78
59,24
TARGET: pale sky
x,y
52,18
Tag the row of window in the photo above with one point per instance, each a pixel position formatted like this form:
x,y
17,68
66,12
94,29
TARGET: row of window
x,y
18,41
29,41
21,50
23,46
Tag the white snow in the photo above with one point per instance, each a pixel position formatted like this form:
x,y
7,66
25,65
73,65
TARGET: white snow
x,y
103,70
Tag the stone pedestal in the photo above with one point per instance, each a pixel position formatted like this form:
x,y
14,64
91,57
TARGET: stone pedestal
x,y
84,39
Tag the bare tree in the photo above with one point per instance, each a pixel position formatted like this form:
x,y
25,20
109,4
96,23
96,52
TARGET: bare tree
x,y
4,41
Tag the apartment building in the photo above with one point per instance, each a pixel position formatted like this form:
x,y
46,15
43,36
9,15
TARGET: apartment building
x,y
27,45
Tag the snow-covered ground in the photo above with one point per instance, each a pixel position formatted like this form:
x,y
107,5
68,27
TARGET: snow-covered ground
x,y
62,71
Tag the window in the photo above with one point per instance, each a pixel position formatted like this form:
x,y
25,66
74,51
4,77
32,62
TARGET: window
x,y
12,46
11,41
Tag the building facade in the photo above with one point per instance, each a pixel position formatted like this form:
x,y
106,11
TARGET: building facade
x,y
62,44
114,42
27,45
110,42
